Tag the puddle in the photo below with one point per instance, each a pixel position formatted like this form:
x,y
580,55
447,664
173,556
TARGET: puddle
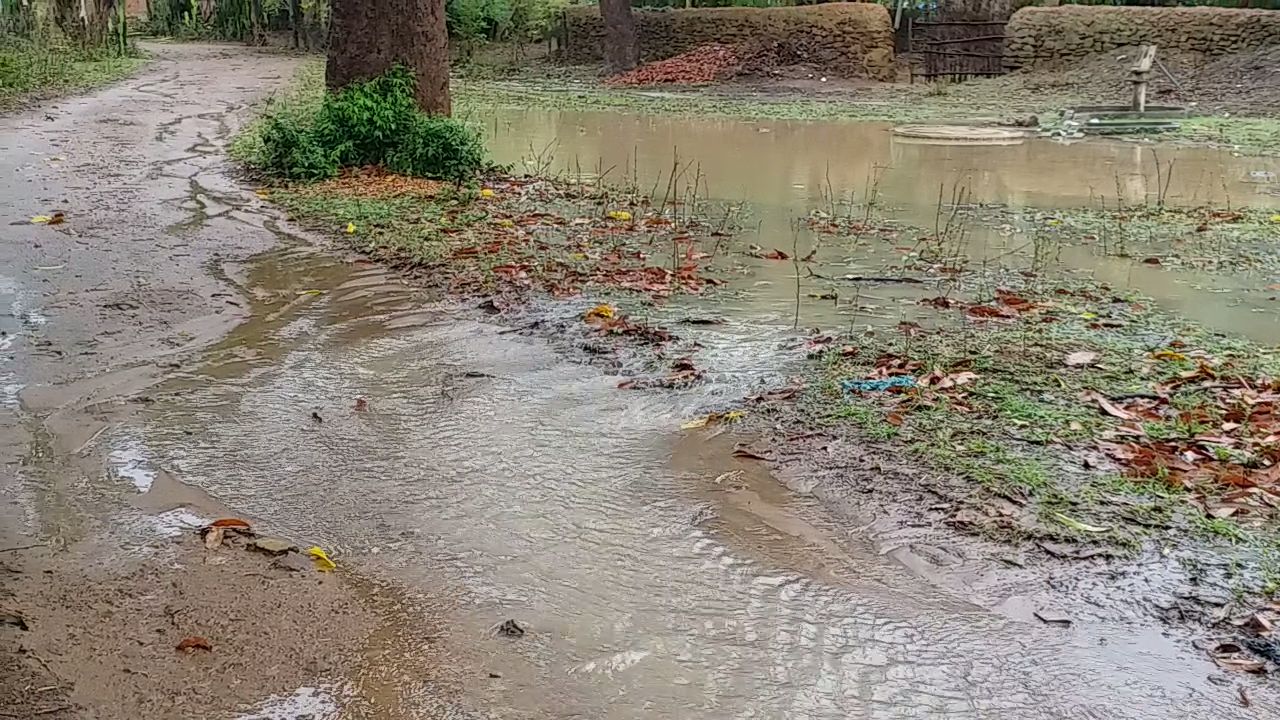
x,y
784,170
546,495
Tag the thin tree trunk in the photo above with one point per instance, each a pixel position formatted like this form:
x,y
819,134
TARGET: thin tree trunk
x,y
621,49
296,20
368,37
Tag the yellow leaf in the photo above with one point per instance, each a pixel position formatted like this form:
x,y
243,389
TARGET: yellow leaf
x,y
1054,223
696,423
262,193
321,559
310,292
620,215
486,193
578,256
40,219
1168,355
506,223
351,228
734,416
1088,315
1275,218
600,312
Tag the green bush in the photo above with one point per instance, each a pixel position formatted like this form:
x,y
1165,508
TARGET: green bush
x,y
290,150
438,147
372,123
365,119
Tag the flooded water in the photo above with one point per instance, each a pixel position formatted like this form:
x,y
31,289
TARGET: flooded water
x,y
784,170
654,574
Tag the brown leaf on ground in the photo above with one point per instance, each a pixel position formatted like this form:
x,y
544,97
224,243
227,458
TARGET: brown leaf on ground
x,y
361,405
774,254
195,642
987,312
1014,301
1110,408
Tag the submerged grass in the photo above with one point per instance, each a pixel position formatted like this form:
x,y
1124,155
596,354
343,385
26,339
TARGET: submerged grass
x,y
31,71
1006,403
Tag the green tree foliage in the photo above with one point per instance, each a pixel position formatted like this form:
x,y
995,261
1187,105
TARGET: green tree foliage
x,y
476,21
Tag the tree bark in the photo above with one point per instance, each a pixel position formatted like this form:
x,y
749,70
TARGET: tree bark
x,y
621,48
368,37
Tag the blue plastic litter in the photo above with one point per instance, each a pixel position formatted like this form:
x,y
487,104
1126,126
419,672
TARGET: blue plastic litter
x,y
878,385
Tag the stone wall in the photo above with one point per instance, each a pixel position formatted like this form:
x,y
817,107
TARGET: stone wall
x,y
848,39
1048,34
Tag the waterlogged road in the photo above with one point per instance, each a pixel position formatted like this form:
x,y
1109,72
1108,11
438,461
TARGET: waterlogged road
x,y
655,575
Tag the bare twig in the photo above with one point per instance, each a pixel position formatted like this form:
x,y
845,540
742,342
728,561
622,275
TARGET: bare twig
x,y
22,547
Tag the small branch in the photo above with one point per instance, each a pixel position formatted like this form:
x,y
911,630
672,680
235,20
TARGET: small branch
x,y
22,547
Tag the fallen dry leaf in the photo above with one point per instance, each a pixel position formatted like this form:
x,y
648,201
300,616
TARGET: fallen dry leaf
x,y
1110,408
361,405
195,642
1081,358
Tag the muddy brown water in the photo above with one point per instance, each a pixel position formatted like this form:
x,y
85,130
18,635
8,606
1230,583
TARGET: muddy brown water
x,y
782,171
654,574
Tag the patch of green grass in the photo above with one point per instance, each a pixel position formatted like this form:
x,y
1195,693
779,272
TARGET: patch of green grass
x,y
1221,528
412,228
32,71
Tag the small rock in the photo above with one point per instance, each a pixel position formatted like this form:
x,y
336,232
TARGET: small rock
x,y
1053,617
510,628
271,545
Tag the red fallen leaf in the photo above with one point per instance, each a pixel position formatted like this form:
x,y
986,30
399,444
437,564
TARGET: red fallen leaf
x,y
195,642
1014,301
233,523
894,419
985,311
362,405
775,254
627,385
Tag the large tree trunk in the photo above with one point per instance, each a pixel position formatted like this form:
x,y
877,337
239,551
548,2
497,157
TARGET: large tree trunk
x,y
368,37
621,48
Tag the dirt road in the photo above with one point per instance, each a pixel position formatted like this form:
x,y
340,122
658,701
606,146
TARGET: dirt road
x,y
101,579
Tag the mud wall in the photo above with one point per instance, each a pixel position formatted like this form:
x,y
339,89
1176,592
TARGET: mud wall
x,y
1048,34
849,39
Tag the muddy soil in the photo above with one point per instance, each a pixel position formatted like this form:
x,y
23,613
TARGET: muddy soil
x,y
102,573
